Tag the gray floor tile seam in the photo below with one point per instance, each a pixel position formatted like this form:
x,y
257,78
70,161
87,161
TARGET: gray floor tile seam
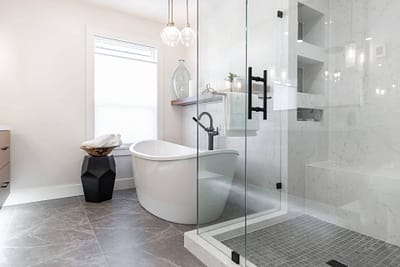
x,y
163,259
161,236
92,246
54,256
94,232
29,230
9,223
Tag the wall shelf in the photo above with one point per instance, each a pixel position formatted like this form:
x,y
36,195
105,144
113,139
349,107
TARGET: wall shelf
x,y
310,54
311,25
316,6
310,101
310,76
192,100
309,115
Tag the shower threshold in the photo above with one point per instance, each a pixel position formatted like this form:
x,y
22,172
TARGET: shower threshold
x,y
278,239
207,245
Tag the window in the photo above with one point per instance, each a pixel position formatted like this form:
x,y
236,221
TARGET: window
x,y
125,90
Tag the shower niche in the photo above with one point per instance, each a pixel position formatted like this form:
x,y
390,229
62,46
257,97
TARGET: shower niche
x,y
311,57
310,24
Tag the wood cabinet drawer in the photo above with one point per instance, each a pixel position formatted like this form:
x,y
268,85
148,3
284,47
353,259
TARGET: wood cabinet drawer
x,y
4,148
4,138
5,174
4,184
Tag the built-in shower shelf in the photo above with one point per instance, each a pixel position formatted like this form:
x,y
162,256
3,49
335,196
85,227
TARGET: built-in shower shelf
x,y
309,115
309,53
305,100
313,7
192,100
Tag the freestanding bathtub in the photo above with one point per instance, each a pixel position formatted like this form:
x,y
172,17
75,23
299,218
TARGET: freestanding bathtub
x,y
166,180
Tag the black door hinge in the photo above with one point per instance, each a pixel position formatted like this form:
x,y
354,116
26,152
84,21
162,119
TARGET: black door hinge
x,y
278,185
280,14
235,257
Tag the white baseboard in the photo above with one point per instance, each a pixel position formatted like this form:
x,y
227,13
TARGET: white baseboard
x,y
59,191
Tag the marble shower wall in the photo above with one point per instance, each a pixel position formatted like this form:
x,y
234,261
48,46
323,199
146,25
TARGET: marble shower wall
x,y
358,187
365,103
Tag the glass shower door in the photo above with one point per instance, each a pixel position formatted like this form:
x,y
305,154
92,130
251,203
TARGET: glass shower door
x,y
239,66
264,58
268,88
221,89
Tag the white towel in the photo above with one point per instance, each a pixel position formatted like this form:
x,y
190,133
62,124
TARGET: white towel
x,y
235,115
109,140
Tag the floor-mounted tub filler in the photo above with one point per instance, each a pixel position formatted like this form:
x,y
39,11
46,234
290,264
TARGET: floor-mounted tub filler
x,y
166,180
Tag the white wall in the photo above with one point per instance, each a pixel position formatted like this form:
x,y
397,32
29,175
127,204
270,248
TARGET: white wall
x,y
43,80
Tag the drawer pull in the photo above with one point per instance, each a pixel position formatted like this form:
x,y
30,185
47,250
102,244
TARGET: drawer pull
x,y
5,185
5,148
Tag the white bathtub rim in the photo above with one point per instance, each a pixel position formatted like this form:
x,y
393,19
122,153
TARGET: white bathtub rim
x,y
190,154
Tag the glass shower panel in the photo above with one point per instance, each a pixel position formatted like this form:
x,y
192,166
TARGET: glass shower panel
x,y
265,52
221,90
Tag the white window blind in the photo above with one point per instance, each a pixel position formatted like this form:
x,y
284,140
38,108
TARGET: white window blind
x,y
125,90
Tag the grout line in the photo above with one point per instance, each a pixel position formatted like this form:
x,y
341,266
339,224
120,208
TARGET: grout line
x,y
94,232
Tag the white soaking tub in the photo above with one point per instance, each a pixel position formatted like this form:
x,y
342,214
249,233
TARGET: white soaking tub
x,y
166,180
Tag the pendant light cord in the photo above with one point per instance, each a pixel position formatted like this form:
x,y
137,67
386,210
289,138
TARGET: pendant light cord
x,y
170,13
187,13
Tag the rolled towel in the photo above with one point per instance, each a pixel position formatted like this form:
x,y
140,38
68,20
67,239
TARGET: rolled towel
x,y
109,140
115,141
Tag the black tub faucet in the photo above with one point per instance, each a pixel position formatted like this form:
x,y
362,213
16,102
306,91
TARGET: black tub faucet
x,y
211,131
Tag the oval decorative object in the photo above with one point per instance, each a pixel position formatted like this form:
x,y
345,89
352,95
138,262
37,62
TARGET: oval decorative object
x,y
180,80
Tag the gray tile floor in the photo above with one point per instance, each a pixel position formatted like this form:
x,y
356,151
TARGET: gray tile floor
x,y
308,241
71,232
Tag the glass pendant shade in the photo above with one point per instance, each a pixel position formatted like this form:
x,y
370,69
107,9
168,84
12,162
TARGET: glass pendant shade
x,y
187,36
170,35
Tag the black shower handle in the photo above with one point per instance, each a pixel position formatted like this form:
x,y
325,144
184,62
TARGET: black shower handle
x,y
264,80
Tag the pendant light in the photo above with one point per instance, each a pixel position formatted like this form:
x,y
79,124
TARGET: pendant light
x,y
170,35
187,33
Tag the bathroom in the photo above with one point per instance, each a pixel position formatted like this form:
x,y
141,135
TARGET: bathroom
x,y
279,149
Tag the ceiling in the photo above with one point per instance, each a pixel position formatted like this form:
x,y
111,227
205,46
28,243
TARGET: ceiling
x,y
152,9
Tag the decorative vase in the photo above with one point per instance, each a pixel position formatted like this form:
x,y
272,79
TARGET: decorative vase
x,y
180,80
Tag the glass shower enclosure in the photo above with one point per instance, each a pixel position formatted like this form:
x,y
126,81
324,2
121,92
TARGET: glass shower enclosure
x,y
305,166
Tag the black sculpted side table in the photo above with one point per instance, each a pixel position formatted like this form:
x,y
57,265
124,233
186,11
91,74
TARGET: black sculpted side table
x,y
98,177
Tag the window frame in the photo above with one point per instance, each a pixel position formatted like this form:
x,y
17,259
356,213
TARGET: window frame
x,y
134,38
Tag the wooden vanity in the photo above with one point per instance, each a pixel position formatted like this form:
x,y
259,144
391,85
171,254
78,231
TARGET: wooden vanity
x,y
4,165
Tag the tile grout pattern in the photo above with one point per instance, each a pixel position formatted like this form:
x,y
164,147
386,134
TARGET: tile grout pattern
x,y
308,241
71,232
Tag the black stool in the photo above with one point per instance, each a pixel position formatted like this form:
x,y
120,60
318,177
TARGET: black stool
x,y
98,178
